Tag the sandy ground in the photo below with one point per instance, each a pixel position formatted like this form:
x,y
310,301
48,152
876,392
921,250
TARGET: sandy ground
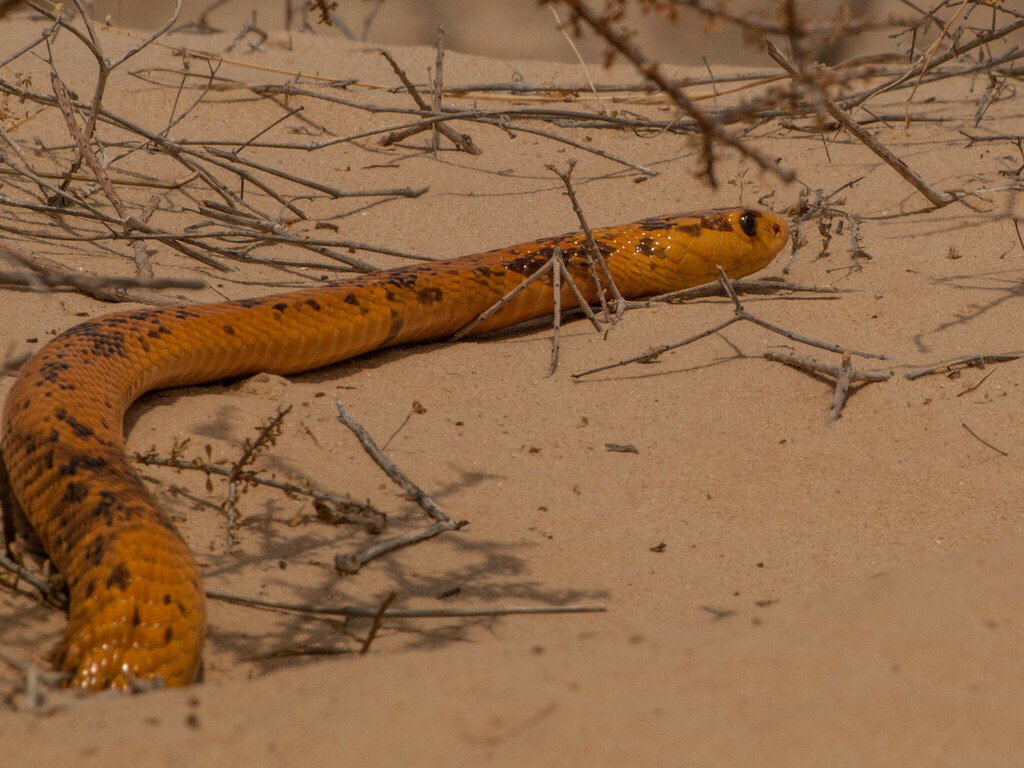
x,y
776,592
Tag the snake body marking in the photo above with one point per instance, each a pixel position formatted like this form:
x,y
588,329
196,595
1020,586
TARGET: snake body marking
x,y
136,601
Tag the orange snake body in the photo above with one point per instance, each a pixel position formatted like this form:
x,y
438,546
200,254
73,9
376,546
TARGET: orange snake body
x,y
136,601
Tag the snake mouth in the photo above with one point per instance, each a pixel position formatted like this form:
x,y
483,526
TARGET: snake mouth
x,y
780,231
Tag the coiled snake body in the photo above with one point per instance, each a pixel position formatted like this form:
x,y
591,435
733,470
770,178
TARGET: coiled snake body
x,y
136,602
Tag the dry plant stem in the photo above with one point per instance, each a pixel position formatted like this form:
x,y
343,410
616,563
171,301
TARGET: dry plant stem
x,y
347,564
98,287
192,159
581,302
742,313
977,384
756,286
496,307
334,192
576,51
22,574
844,374
290,488
739,313
556,287
463,142
505,125
270,231
180,149
84,150
971,361
593,252
436,92
556,265
254,227
267,434
35,680
741,113
90,39
417,407
378,617
111,222
349,611
352,563
408,129
653,354
142,264
514,87
399,613
747,21
47,274
924,63
44,35
934,196
413,491
61,196
259,232
981,440
709,127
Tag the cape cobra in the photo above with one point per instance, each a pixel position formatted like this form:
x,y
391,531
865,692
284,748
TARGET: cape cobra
x,y
136,601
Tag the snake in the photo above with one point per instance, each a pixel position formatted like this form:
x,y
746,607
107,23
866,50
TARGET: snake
x,y
136,607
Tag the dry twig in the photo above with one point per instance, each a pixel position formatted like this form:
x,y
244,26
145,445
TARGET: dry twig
x,y
399,613
739,313
347,564
710,128
937,198
844,373
969,361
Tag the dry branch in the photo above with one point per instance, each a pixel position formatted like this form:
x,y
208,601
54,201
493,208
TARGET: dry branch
x,y
351,563
844,374
351,611
934,196
739,313
710,128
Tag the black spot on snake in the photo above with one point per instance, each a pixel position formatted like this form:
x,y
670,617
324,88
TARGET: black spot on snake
x,y
645,246
103,506
429,295
690,230
716,222
119,577
94,552
75,492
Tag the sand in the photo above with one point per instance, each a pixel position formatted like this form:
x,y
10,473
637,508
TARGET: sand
x,y
775,591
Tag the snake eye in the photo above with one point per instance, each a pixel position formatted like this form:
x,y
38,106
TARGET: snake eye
x,y
748,223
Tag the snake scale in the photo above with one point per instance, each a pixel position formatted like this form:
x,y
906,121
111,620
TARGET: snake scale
x,y
136,608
